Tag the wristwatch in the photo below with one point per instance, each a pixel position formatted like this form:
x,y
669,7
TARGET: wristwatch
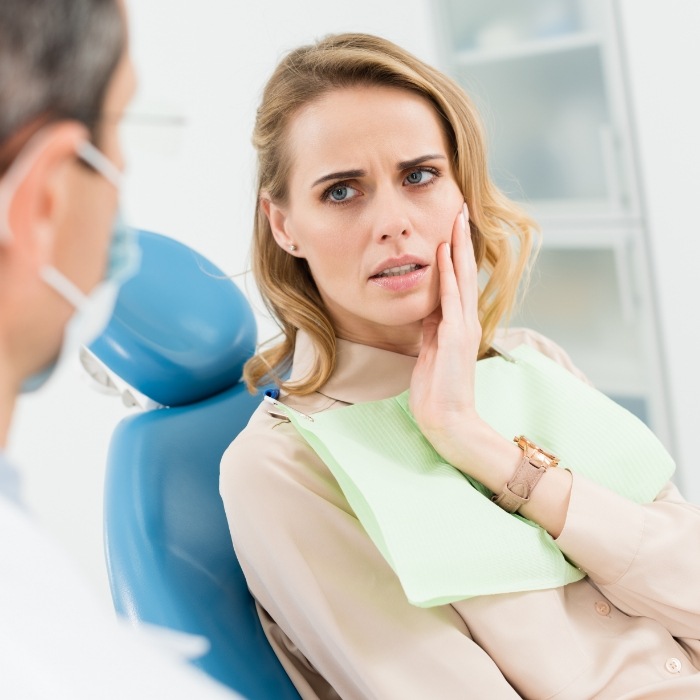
x,y
535,462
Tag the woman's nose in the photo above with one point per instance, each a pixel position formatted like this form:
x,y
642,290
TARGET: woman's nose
x,y
390,218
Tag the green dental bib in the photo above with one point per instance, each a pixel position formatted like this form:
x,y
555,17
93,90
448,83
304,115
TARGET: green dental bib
x,y
437,528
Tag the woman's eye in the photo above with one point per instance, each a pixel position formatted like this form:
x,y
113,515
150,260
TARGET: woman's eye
x,y
420,177
341,193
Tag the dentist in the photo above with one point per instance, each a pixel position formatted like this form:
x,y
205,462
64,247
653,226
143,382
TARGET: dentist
x,y
66,78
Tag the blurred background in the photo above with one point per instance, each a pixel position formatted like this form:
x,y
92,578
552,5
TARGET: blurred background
x,y
592,121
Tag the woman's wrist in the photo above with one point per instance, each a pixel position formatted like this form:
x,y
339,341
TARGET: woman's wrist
x,y
549,502
476,449
479,451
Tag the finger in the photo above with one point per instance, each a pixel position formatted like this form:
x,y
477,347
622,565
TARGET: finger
x,y
450,300
463,254
465,264
430,327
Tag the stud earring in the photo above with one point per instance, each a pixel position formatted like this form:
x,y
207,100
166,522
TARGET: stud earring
x,y
292,247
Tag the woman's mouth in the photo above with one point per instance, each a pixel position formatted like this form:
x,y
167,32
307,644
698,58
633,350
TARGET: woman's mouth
x,y
396,271
400,278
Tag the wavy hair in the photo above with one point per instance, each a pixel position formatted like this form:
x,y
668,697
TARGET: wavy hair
x,y
501,231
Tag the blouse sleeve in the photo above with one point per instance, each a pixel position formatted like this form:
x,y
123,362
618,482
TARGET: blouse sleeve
x,y
643,557
314,570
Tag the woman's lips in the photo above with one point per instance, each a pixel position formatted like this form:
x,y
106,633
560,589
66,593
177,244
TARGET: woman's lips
x,y
400,282
398,270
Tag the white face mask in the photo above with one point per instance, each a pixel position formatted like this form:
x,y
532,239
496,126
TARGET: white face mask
x,y
93,310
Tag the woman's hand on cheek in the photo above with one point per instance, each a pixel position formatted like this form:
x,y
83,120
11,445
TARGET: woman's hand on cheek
x,y
442,385
442,390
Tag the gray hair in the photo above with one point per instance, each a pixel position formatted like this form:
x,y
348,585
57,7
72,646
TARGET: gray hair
x,y
56,60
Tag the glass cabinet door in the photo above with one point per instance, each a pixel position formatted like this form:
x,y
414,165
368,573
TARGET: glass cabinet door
x,y
536,71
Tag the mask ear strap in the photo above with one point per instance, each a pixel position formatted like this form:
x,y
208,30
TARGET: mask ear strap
x,y
61,284
99,162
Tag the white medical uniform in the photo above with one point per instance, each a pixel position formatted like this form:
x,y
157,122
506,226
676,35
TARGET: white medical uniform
x,y
57,642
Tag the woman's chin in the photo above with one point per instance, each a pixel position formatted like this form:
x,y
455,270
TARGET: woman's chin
x,y
411,311
405,318
402,317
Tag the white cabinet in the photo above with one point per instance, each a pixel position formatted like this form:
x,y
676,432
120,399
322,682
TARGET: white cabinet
x,y
662,59
547,78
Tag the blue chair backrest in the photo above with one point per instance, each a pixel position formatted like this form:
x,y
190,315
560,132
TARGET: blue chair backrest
x,y
180,335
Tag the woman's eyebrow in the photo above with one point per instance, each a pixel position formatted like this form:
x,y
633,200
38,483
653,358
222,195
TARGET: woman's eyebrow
x,y
340,175
403,165
406,164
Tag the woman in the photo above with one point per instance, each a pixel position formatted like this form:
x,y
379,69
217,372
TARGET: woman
x,y
371,171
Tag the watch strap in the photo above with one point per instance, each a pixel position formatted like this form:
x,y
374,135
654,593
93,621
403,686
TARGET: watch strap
x,y
521,485
533,465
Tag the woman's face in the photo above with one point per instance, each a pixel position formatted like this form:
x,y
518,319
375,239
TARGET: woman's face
x,y
371,197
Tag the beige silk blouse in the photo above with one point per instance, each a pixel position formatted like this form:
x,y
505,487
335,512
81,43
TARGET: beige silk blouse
x,y
340,623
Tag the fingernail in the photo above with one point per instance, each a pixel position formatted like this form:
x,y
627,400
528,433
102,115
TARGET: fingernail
x,y
465,216
449,249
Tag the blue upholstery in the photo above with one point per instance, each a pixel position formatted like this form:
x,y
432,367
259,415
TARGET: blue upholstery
x,y
181,330
180,334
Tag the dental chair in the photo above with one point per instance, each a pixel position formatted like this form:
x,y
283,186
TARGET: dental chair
x,y
177,342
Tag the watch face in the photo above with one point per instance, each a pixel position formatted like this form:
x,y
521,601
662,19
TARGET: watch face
x,y
536,454
539,460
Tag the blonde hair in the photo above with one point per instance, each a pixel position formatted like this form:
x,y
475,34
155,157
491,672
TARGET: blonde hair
x,y
285,281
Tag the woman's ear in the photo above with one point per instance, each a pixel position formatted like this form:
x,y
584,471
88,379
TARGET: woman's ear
x,y
279,225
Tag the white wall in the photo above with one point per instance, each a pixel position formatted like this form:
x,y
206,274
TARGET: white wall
x,y
207,62
663,58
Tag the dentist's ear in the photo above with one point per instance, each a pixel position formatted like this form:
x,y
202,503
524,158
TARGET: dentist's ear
x,y
277,218
35,190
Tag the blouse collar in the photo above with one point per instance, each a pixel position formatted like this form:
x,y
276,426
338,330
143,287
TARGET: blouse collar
x,y
362,373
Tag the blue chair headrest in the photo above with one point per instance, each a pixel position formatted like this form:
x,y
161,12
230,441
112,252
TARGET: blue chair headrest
x,y
181,330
